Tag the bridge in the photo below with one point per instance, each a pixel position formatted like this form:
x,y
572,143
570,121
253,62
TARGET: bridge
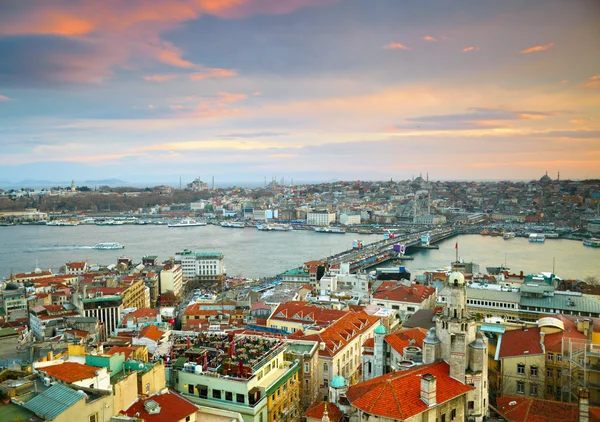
x,y
381,251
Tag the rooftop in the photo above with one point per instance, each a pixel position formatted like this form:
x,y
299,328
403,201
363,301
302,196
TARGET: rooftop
x,y
526,341
526,409
70,371
171,407
416,293
403,338
54,401
317,409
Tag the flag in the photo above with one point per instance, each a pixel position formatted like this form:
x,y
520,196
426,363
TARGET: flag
x,y
456,246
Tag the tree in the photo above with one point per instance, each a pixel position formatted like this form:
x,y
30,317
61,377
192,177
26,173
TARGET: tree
x,y
591,280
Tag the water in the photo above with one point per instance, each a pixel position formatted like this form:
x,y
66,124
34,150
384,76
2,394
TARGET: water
x,y
253,253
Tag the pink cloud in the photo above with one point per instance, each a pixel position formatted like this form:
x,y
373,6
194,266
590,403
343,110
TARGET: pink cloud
x,y
4,98
470,48
212,73
537,48
160,78
592,82
429,38
395,46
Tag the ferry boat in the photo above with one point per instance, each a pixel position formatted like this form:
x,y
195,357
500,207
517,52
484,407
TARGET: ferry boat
x,y
110,223
484,233
537,238
62,223
108,246
188,222
593,242
233,224
274,227
508,235
335,230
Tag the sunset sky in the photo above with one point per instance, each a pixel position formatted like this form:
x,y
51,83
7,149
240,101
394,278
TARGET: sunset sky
x,y
155,90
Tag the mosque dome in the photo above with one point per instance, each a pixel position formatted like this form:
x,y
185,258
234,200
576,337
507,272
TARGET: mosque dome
x,y
11,286
545,178
380,330
338,382
456,278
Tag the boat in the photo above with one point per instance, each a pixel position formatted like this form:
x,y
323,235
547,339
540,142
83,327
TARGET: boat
x,y
274,227
108,246
537,238
484,233
233,224
188,222
508,235
593,242
109,223
62,223
335,230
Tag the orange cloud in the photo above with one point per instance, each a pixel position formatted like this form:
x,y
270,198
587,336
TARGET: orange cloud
x,y
470,48
537,48
577,121
171,55
50,23
429,38
395,46
592,82
160,78
212,73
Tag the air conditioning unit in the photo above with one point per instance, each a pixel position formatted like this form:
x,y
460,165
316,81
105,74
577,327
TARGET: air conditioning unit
x,y
47,381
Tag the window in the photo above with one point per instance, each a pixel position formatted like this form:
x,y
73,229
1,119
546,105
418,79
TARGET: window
x,y
550,356
228,396
216,394
325,367
471,405
325,384
148,388
453,414
549,373
306,367
187,419
558,358
240,398
444,417
191,388
533,390
521,369
549,389
520,387
93,418
533,371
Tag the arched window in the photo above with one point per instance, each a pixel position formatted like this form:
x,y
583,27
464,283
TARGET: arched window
x,y
325,368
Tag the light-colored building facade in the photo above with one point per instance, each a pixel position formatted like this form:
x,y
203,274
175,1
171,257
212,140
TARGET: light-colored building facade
x,y
203,265
171,279
320,218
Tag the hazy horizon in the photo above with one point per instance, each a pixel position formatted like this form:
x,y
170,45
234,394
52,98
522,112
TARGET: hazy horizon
x,y
309,89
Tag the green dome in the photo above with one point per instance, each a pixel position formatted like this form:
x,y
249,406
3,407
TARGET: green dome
x,y
338,382
380,330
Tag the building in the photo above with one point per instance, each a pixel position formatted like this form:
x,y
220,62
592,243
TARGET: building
x,y
593,226
342,348
349,219
108,309
171,279
163,406
320,218
202,265
306,352
450,385
76,374
46,321
76,268
13,301
405,299
301,316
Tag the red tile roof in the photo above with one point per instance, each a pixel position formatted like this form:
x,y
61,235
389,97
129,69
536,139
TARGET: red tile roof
x,y
70,371
527,409
305,313
317,409
403,338
76,265
127,351
416,293
522,342
343,331
142,313
398,395
173,407
151,332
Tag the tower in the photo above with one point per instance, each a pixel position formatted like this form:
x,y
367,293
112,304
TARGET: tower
x,y
73,186
379,351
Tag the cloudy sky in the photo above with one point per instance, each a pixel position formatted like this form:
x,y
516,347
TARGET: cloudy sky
x,y
310,89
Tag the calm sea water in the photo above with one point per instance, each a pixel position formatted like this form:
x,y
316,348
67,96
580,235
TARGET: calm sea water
x,y
252,253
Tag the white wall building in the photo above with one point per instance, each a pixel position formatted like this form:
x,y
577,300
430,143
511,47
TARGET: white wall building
x,y
350,219
320,218
205,265
171,279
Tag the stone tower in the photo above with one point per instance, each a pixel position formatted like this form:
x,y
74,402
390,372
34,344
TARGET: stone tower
x,y
455,339
379,351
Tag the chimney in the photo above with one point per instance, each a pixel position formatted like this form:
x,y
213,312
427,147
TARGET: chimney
x,y
428,390
584,405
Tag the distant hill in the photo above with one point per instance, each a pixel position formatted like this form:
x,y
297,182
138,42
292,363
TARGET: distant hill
x,y
32,183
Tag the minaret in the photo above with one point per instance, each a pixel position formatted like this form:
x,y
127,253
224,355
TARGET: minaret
x,y
73,186
558,177
379,351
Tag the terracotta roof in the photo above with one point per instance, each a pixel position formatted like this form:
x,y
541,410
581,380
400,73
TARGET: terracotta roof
x,y
369,343
70,371
416,293
173,407
33,274
527,409
127,351
259,305
343,331
521,342
78,333
76,265
143,313
151,332
317,409
305,313
401,339
398,395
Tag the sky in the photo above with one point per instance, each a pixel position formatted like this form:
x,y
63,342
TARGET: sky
x,y
158,90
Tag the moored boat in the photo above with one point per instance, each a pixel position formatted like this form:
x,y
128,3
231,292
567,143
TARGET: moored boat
x,y
62,223
537,238
334,230
188,222
508,235
593,242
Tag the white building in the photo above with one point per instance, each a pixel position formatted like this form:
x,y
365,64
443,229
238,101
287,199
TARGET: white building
x,y
76,268
320,218
349,219
171,279
203,265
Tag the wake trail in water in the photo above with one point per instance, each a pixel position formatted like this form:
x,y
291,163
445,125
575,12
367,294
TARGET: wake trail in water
x,y
58,248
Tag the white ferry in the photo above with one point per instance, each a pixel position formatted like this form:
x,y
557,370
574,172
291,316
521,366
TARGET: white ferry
x,y
537,238
335,230
274,227
108,246
508,235
593,242
233,224
62,223
188,222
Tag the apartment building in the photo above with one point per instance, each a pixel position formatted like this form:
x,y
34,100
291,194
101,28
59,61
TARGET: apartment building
x,y
171,279
320,218
202,265
406,300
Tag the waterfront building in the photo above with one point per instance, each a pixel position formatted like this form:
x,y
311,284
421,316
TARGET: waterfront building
x,y
406,300
349,219
295,277
450,385
593,226
32,276
76,268
320,218
487,303
171,279
205,266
